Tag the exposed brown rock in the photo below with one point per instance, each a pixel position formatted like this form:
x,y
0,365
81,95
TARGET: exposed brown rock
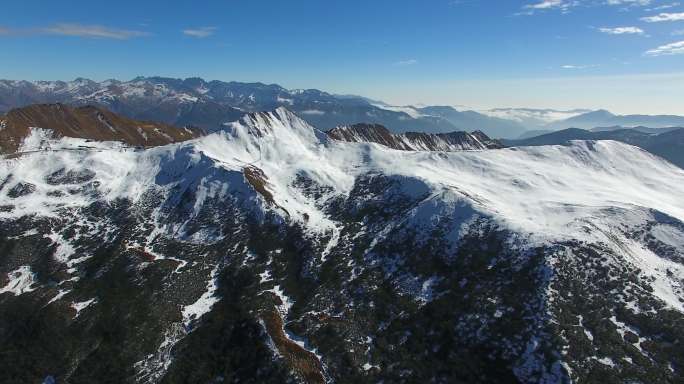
x,y
414,141
257,179
86,122
303,362
374,133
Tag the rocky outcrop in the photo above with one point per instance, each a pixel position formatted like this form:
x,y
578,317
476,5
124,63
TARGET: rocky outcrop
x,y
414,141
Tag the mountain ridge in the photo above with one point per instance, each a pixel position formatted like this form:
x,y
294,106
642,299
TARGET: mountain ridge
x,y
413,141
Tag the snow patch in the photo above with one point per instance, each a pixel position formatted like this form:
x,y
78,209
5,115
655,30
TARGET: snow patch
x,y
21,281
666,276
58,296
204,304
80,306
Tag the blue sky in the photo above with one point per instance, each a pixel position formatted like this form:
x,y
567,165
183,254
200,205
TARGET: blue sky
x,y
623,55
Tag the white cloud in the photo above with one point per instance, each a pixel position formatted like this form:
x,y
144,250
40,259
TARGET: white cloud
x,y
563,5
314,112
679,32
571,66
91,31
664,17
200,33
622,31
664,6
629,2
676,48
404,63
546,4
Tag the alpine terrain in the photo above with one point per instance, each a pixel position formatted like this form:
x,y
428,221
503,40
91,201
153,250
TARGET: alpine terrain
x,y
270,251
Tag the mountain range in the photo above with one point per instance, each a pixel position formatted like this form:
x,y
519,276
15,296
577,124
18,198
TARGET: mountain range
x,y
209,104
269,251
603,118
96,124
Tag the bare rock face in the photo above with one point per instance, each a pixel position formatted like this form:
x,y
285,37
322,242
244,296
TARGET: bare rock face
x,y
414,141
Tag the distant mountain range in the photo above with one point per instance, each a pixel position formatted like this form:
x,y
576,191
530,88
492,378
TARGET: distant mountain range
x,y
210,104
639,129
667,143
603,118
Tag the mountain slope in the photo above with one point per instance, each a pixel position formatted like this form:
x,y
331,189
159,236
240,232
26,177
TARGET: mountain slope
x,y
669,144
269,252
86,122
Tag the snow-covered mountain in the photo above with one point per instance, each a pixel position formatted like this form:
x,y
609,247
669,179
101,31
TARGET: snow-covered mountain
x,y
270,251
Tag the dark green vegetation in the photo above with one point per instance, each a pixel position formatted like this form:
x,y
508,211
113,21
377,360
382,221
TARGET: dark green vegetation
x,y
394,300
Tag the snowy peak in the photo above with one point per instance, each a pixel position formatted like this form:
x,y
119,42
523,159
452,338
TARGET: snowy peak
x,y
414,141
262,124
88,122
279,130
